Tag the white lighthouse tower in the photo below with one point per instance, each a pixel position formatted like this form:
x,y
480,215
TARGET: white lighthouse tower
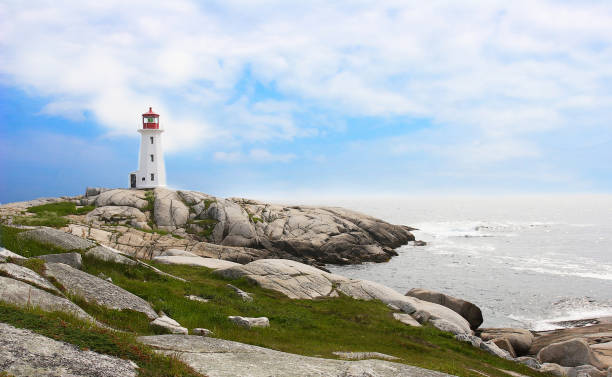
x,y
151,170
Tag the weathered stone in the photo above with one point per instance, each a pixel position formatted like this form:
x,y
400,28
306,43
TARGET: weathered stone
x,y
250,322
202,332
122,197
197,298
570,353
520,339
222,358
93,289
95,191
531,362
24,274
445,325
26,353
170,211
170,325
406,319
177,253
364,355
72,259
493,349
556,369
4,253
57,238
466,309
472,339
22,294
212,263
504,344
108,254
244,295
115,215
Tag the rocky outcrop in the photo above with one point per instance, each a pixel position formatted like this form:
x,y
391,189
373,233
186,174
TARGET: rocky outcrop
x,y
22,294
222,358
120,197
520,339
170,211
212,263
100,291
466,309
57,238
118,215
26,275
25,353
5,254
570,353
72,259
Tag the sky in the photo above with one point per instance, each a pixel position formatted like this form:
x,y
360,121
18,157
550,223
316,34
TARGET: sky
x,y
281,99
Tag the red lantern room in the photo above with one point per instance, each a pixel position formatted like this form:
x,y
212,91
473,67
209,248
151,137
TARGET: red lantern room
x,y
150,120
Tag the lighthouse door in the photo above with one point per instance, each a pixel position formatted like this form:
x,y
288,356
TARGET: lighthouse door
x,y
133,180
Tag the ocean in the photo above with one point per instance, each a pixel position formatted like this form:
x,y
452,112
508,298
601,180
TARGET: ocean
x,y
529,261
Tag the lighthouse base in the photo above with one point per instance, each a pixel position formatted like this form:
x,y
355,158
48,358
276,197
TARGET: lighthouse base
x,y
140,180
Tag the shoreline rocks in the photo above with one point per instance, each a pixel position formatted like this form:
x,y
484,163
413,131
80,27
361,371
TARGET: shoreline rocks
x,y
466,309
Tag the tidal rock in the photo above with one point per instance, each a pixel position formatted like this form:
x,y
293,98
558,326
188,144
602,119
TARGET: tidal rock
x,y
520,339
224,358
211,263
466,309
24,274
170,211
250,322
406,319
4,253
504,344
170,325
364,355
22,294
26,353
122,197
202,332
108,254
115,215
570,353
93,289
243,295
72,259
57,238
493,349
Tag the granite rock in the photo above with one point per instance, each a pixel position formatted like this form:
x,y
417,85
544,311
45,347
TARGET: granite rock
x,y
26,275
57,238
72,259
569,353
466,309
170,325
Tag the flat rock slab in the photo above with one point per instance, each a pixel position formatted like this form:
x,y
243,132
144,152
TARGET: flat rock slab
x,y
4,253
25,353
22,294
93,289
250,322
364,355
108,254
170,325
223,358
26,275
72,259
57,238
212,263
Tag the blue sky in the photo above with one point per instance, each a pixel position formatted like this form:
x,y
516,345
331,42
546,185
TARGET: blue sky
x,y
277,99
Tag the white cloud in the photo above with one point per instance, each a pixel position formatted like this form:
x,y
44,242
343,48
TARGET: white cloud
x,y
254,155
499,70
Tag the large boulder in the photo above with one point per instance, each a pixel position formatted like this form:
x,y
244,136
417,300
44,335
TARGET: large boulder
x,y
170,211
520,339
26,353
466,309
72,259
122,197
57,238
24,274
570,353
99,291
224,358
22,294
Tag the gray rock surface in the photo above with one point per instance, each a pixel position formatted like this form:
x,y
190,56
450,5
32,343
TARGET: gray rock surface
x,y
22,294
197,298
72,259
504,344
122,197
466,309
93,289
364,355
406,319
4,253
57,238
26,275
170,325
212,263
493,349
109,254
570,353
170,211
223,358
472,339
202,332
531,362
118,215
520,339
177,253
25,353
250,322
557,370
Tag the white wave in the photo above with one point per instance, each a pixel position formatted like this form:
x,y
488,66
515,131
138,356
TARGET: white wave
x,y
448,229
551,271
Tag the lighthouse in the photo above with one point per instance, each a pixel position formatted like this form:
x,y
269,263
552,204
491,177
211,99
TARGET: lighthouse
x,y
151,170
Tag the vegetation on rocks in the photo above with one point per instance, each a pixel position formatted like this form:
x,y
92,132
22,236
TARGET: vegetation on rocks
x,y
25,247
52,214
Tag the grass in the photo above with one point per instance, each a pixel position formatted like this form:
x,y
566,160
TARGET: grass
x,y
25,247
63,327
51,214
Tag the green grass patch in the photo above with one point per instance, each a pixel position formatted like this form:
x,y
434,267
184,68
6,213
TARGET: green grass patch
x,y
150,198
36,265
51,214
42,219
69,329
25,247
207,203
307,327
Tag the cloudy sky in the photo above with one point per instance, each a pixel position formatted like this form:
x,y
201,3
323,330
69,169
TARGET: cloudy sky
x,y
299,99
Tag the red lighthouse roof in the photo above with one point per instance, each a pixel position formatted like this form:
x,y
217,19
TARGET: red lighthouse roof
x,y
150,113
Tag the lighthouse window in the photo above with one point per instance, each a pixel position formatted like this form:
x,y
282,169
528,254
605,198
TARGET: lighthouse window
x,y
152,158
151,139
152,177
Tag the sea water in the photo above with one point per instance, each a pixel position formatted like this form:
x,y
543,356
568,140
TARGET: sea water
x,y
525,261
